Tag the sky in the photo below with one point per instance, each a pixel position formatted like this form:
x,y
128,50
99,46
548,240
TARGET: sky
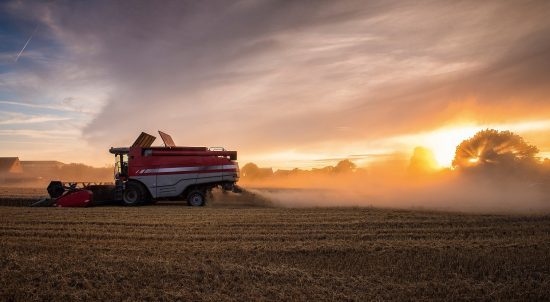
x,y
286,83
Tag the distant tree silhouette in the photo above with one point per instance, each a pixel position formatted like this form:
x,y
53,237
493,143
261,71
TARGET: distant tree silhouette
x,y
250,170
323,170
492,148
345,166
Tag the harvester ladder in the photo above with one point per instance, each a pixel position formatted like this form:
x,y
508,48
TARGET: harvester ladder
x,y
119,189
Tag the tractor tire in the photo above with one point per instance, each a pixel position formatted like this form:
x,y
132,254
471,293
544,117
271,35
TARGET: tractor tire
x,y
196,199
134,194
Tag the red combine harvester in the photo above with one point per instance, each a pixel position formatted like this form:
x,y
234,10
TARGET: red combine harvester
x,y
145,174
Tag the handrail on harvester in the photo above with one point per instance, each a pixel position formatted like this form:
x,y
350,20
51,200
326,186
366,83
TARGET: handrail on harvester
x,y
231,154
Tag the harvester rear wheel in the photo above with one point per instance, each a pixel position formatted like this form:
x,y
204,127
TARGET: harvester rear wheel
x,y
196,199
134,194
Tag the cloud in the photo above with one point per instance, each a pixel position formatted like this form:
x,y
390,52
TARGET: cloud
x,y
39,134
65,105
16,119
270,76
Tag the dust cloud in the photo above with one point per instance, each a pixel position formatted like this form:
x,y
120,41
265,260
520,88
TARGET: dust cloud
x,y
445,190
496,179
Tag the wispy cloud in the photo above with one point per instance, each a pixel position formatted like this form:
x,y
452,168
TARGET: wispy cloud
x,y
21,120
41,134
62,106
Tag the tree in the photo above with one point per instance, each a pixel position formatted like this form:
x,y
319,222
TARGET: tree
x,y
345,166
250,170
493,148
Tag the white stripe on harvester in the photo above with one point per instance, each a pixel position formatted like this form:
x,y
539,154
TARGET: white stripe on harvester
x,y
186,169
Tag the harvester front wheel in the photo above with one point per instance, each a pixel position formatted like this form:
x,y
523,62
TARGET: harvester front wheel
x,y
196,199
134,194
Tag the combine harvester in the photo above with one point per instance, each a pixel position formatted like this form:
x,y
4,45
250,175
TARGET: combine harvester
x,y
145,174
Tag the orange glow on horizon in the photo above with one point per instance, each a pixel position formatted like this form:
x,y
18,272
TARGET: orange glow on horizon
x,y
442,142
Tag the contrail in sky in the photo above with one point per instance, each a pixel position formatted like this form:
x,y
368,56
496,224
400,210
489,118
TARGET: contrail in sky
x,y
19,54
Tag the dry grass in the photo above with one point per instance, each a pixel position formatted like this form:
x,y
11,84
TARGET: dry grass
x,y
14,196
170,252
15,192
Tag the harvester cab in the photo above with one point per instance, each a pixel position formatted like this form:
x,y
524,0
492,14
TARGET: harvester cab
x,y
144,174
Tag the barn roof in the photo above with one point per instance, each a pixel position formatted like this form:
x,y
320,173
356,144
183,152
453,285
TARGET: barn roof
x,y
7,162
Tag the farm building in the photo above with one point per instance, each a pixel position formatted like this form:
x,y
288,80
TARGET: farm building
x,y
10,165
10,168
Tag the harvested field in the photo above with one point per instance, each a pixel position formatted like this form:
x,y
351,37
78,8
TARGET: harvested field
x,y
14,192
170,252
20,197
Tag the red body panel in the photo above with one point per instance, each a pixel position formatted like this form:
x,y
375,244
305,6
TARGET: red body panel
x,y
157,161
80,198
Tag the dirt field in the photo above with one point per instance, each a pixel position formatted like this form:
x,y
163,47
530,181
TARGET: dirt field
x,y
169,252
